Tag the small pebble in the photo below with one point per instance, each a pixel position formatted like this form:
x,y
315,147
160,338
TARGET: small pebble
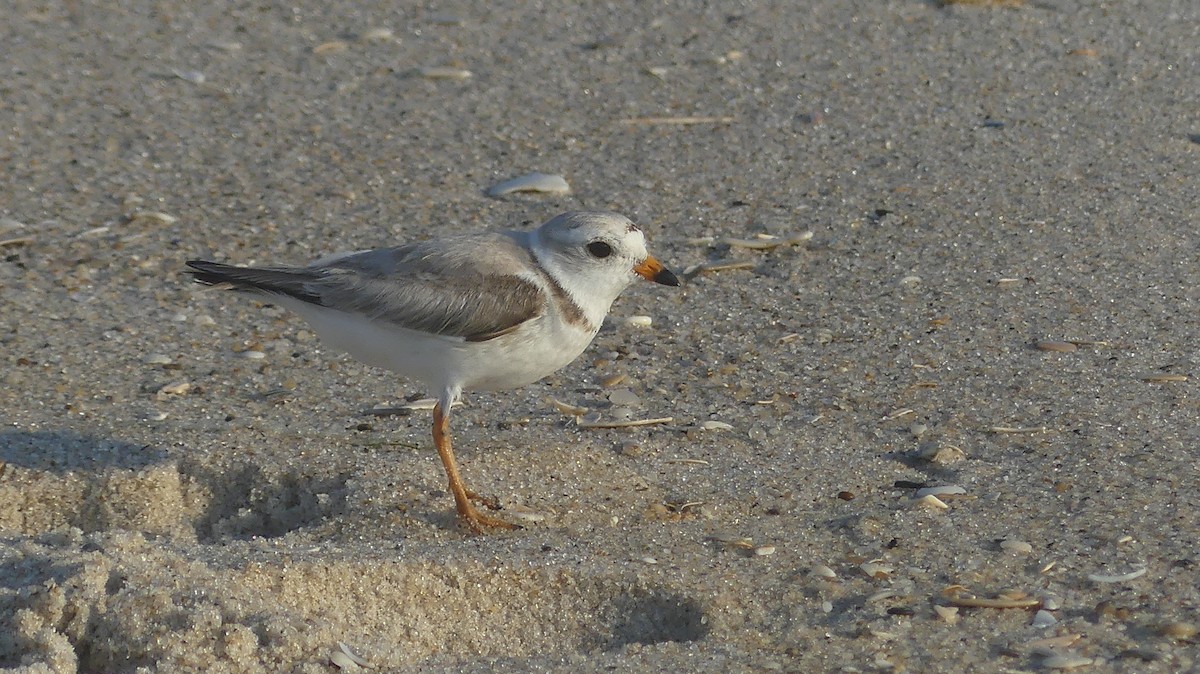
x,y
253,354
712,425
1043,619
639,321
764,550
157,359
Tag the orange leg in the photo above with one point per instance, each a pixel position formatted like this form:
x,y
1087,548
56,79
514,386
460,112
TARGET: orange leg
x,y
462,496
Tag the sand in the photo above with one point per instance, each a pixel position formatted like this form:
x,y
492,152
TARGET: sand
x,y
191,482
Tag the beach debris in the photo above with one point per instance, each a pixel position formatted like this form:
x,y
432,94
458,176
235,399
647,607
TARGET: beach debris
x,y
377,35
944,490
1164,377
940,454
253,354
541,183
1016,429
1043,619
524,513
630,423
331,47
1051,345
193,76
823,571
154,217
638,321
157,359
742,543
930,502
648,560
694,462
767,241
712,425
1016,546
10,225
612,380
720,265
566,409
1007,599
948,614
1118,578
877,569
227,46
177,388
1179,630
346,659
896,414
984,3
444,73
1054,660
676,121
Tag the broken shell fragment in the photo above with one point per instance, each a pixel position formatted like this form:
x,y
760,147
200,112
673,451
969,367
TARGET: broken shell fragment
x,y
542,183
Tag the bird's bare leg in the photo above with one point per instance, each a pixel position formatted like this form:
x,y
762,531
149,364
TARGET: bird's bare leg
x,y
474,519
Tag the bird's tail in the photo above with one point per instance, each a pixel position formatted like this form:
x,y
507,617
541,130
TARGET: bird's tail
x,y
295,283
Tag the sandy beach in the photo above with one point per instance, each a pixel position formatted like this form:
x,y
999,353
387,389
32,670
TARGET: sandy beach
x,y
925,402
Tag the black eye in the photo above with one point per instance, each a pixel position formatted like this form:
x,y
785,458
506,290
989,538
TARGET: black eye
x,y
599,249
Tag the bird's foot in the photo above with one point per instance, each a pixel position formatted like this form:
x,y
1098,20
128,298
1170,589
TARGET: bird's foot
x,y
480,523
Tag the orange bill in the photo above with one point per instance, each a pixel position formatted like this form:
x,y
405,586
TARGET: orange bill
x,y
653,270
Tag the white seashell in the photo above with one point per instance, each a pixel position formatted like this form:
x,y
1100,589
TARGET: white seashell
x,y
1104,578
940,491
930,502
1019,547
542,183
1066,661
823,571
639,321
444,73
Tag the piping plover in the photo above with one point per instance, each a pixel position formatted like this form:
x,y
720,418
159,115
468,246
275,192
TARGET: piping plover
x,y
481,312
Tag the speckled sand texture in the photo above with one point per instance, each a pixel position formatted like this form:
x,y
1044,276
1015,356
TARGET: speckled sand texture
x,y
1000,294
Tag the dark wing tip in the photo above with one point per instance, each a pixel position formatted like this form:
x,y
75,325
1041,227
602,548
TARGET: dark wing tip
x,y
209,273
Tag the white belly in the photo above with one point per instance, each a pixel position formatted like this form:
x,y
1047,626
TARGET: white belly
x,y
536,349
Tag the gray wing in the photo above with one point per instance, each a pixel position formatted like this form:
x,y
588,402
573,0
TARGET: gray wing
x,y
465,287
